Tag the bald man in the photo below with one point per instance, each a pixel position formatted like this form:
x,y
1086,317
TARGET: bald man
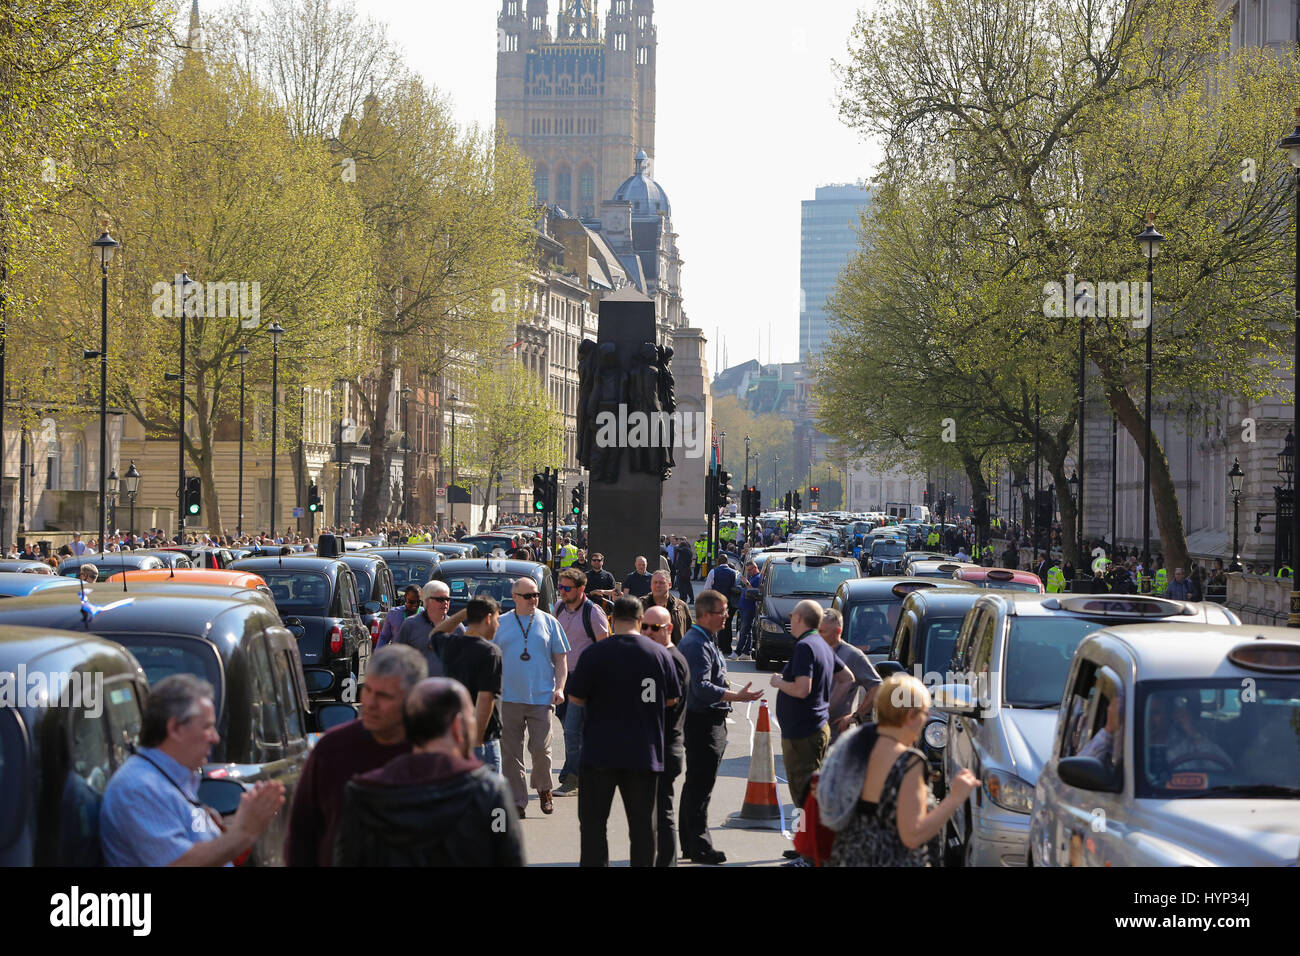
x,y
657,624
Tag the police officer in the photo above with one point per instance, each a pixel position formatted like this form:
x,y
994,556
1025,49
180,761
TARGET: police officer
x,y
1055,579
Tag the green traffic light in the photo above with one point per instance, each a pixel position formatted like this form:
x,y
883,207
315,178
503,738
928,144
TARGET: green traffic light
x,y
194,509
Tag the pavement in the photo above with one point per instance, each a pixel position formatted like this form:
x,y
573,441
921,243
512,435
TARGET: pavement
x,y
553,840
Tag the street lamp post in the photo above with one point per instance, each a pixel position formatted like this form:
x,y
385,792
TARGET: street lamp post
x,y
1114,483
406,393
112,497
105,245
132,485
183,283
748,519
775,487
1236,476
451,500
276,333
1149,240
1291,144
1076,492
242,353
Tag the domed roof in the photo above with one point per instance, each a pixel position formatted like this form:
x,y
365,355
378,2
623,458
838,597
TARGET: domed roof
x,y
645,195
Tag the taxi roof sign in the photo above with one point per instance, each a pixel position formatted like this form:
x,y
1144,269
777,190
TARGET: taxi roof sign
x,y
1262,655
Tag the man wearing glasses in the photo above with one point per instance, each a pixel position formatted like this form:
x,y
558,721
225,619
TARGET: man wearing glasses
x,y
626,683
708,701
534,666
424,631
600,583
584,624
657,625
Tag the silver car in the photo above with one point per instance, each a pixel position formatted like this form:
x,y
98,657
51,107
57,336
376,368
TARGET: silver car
x,y
1009,667
1177,746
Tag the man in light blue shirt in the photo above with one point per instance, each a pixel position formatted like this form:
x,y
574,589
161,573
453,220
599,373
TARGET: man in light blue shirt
x,y
534,667
151,815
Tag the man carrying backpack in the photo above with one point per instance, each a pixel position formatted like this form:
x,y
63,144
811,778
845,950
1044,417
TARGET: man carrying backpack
x,y
584,624
723,579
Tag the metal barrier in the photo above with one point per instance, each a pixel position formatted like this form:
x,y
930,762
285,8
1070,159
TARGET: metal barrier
x,y
1245,611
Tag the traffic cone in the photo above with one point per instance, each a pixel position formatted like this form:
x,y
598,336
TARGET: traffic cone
x,y
762,808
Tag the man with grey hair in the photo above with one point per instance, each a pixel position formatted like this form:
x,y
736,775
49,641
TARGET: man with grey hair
x,y
88,573
151,815
844,691
352,748
426,631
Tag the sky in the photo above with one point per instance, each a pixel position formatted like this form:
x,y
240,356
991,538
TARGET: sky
x,y
747,128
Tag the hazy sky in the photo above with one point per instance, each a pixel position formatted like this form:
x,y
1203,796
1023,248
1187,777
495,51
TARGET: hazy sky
x,y
747,128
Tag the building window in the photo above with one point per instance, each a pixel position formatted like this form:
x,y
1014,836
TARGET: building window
x,y
512,8
542,183
587,185
564,187
537,24
620,7
642,23
643,55
620,42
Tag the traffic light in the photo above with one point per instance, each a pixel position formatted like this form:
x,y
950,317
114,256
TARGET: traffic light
x,y
725,491
540,490
313,498
788,501
798,502
553,493
193,496
814,494
579,499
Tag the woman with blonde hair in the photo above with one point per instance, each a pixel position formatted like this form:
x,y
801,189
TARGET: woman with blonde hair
x,y
873,790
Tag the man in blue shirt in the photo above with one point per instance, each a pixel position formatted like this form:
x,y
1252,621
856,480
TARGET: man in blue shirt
x,y
803,704
708,701
748,607
151,815
626,683
534,667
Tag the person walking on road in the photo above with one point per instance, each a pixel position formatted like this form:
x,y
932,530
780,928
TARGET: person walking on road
x,y
534,666
473,660
656,625
708,701
584,624
661,596
626,684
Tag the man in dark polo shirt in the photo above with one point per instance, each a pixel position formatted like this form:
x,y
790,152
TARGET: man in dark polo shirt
x,y
637,583
475,661
357,747
803,704
600,583
627,683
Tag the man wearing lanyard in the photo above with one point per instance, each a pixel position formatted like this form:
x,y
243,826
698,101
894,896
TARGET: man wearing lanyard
x,y
151,814
534,666
708,701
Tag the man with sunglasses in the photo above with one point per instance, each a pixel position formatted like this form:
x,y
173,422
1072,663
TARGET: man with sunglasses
x,y
657,625
626,684
708,701
423,630
534,667
584,624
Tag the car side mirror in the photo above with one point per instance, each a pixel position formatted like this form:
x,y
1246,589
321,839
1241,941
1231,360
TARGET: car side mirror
x,y
1090,773
221,795
890,668
957,700
374,607
333,714
752,594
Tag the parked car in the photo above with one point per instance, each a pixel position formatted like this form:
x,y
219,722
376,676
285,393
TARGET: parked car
x,y
785,581
171,558
375,589
871,608
938,569
494,577
487,543
203,557
1011,661
55,761
111,563
884,556
239,647
26,567
1001,579
407,565
22,583
319,602
459,549
227,578
1176,746
239,587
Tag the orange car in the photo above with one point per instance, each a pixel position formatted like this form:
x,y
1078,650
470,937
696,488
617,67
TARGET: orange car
x,y
226,579
1003,579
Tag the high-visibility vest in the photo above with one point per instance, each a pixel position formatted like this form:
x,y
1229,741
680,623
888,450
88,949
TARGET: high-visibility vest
x,y
1138,579
1099,566
568,555
414,539
701,551
727,533
1289,572
1055,580
1161,581
933,540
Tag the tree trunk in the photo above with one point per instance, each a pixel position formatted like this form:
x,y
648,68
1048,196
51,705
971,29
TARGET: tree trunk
x,y
979,497
1168,514
200,455
374,503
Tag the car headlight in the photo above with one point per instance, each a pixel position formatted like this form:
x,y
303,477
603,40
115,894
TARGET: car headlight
x,y
1008,791
770,626
936,734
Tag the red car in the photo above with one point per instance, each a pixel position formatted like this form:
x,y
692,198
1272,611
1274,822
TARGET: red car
x,y
1002,579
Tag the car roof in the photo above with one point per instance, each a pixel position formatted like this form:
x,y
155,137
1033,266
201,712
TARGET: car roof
x,y
25,645
508,566
291,562
875,587
944,600
211,576
1178,650
936,565
821,560
1026,604
24,582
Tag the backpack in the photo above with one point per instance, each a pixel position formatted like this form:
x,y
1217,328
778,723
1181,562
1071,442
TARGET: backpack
x,y
587,605
725,573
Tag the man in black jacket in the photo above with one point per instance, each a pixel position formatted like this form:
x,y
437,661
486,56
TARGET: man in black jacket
x,y
437,806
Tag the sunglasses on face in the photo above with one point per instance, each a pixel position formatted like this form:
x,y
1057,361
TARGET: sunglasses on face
x,y
566,587
654,628
530,596
447,599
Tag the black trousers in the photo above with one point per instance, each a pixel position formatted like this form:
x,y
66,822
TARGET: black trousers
x,y
596,795
706,742
674,759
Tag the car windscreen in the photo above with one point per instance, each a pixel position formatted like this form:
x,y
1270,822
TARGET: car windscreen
x,y
1209,737
1038,655
1007,585
13,758
300,591
364,583
887,549
409,572
803,579
871,626
163,655
473,584
940,636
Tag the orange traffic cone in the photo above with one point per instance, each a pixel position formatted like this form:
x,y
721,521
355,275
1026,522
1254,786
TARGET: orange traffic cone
x,y
761,809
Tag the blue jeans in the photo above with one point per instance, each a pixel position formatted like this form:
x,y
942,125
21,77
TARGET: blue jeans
x,y
574,715
745,635
490,754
